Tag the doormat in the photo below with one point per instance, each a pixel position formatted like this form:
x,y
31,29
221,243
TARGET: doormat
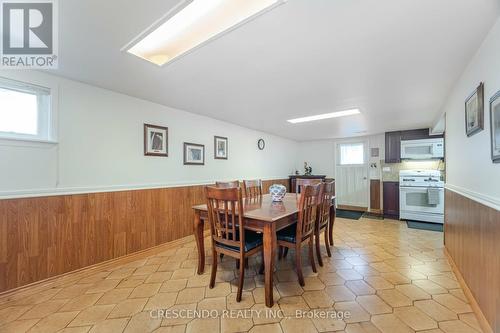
x,y
425,226
348,214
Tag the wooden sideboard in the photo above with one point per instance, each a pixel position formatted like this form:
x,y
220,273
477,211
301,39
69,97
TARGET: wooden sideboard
x,y
293,180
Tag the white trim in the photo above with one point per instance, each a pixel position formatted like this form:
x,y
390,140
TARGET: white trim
x,y
33,193
484,199
25,142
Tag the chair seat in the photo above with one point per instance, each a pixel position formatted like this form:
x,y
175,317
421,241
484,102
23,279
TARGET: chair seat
x,y
252,240
289,234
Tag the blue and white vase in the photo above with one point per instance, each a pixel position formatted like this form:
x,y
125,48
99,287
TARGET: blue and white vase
x,y
277,192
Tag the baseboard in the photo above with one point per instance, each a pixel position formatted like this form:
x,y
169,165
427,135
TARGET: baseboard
x,y
354,208
53,281
474,305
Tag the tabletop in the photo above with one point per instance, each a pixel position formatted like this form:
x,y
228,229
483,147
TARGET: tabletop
x,y
264,209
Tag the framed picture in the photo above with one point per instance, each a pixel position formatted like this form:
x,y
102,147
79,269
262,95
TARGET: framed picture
x,y
155,140
194,154
495,127
220,148
474,111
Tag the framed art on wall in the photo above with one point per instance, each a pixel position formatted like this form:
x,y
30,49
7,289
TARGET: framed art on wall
x,y
155,140
474,111
194,154
220,148
495,127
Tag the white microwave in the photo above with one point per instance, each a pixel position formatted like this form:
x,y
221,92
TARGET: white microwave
x,y
426,149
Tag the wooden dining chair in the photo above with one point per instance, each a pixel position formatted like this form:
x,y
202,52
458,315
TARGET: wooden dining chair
x,y
299,183
231,184
323,218
253,188
227,228
303,231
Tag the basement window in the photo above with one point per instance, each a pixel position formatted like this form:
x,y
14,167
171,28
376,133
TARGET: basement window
x,y
25,111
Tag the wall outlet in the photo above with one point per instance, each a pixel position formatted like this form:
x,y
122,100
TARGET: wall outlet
x,y
386,169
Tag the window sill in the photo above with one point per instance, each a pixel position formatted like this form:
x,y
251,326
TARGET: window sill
x,y
25,142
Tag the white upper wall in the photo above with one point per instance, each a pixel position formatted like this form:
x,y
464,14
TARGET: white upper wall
x,y
321,155
469,168
101,146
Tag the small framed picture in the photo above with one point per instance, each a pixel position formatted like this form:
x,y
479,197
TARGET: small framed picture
x,y
155,140
495,127
194,154
474,111
220,148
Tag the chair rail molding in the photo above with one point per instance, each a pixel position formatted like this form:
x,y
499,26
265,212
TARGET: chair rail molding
x,y
484,199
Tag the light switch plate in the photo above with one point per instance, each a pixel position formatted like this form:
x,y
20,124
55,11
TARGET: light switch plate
x,y
386,169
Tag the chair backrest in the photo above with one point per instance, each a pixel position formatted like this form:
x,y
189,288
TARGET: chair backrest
x,y
309,201
326,195
300,182
253,188
225,214
231,184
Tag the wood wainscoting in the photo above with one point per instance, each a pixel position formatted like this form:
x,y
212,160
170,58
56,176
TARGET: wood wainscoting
x,y
472,240
47,236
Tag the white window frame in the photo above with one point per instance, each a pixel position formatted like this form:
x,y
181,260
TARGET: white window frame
x,y
47,124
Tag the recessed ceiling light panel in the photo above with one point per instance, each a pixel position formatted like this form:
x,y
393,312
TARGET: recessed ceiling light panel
x,y
325,116
193,23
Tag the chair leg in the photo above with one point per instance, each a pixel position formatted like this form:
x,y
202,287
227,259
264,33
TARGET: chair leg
x,y
246,263
285,252
237,263
214,269
298,263
318,250
280,252
311,253
327,242
221,255
240,283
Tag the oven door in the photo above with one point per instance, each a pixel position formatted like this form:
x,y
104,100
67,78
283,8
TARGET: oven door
x,y
416,200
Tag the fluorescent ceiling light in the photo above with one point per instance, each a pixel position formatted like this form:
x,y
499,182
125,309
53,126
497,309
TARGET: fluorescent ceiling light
x,y
325,116
193,23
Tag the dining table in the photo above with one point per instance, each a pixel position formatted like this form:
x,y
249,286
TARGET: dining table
x,y
263,215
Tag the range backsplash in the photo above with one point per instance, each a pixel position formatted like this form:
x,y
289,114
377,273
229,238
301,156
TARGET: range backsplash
x,y
393,173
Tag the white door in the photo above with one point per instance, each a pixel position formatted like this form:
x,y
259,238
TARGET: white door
x,y
351,174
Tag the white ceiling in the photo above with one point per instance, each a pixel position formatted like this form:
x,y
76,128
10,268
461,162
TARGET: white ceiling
x,y
394,59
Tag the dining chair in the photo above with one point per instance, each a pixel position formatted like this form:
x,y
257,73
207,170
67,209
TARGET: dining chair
x,y
323,218
231,184
299,183
303,231
227,228
253,188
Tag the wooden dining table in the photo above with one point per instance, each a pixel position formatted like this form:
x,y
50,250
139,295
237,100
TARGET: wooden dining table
x,y
261,215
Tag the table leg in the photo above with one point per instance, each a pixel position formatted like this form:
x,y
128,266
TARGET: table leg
x,y
200,242
269,236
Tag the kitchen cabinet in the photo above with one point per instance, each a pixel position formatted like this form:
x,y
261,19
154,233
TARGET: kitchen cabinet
x,y
418,134
391,199
393,142
393,147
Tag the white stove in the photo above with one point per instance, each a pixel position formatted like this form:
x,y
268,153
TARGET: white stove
x,y
421,196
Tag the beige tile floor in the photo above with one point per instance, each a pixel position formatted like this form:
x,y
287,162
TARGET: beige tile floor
x,y
387,277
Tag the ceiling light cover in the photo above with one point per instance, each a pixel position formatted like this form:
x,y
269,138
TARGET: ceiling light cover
x,y
325,116
196,23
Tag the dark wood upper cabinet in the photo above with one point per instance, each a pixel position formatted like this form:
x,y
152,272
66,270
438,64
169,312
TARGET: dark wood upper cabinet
x,y
393,147
418,134
393,142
